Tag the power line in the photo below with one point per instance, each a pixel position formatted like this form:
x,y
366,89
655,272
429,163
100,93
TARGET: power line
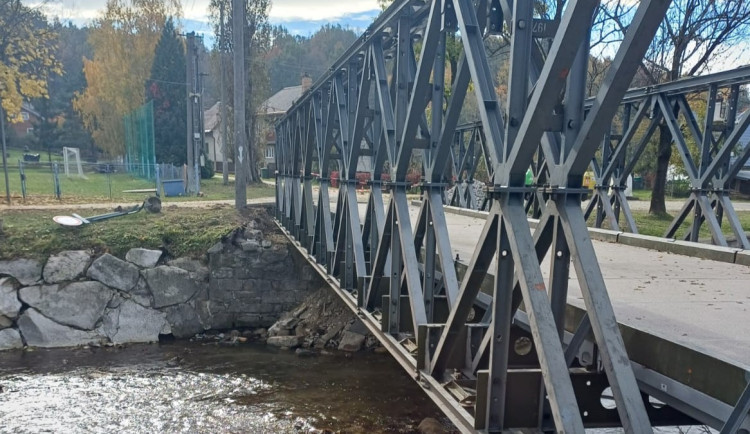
x,y
166,82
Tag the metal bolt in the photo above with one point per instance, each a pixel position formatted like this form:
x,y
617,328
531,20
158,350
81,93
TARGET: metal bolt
x,y
521,24
504,253
559,253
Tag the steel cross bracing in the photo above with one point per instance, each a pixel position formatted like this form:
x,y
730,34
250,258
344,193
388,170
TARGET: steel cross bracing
x,y
710,170
384,101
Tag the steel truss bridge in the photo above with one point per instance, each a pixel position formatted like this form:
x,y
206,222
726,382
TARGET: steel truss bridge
x,y
496,342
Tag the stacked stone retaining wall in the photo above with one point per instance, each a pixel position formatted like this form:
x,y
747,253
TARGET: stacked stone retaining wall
x,y
247,280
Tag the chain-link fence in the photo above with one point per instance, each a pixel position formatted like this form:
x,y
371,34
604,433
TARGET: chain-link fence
x,y
140,155
42,182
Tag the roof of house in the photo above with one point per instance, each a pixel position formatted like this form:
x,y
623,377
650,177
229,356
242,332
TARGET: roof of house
x,y
212,117
281,101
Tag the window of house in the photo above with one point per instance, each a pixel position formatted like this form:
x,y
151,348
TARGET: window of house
x,y
270,151
25,116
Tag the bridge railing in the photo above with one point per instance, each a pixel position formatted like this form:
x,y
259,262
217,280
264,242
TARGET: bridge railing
x,y
386,101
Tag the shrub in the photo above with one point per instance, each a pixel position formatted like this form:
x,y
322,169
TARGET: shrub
x,y
207,171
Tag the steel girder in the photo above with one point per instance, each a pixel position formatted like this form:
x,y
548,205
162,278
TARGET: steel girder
x,y
384,103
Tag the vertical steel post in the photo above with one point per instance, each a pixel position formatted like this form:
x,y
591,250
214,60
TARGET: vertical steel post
x,y
23,179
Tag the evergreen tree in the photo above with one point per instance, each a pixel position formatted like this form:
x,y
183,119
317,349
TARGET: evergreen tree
x,y
166,88
60,125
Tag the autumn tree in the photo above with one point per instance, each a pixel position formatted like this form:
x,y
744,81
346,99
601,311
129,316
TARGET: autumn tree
x,y
694,35
123,39
166,88
257,42
27,47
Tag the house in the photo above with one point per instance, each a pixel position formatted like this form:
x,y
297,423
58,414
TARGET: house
x,y
29,117
213,138
273,109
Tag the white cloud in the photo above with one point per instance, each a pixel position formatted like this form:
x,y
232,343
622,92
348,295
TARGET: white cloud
x,y
306,10
281,10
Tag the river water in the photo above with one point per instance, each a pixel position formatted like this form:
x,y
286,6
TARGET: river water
x,y
193,388
187,387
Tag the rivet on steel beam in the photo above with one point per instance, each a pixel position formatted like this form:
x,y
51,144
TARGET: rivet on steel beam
x,y
504,253
521,24
559,253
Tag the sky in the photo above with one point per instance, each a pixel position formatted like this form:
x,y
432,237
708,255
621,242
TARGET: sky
x,y
302,17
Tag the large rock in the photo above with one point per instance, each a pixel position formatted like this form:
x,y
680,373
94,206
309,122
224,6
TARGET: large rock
x,y
9,304
40,331
5,322
144,258
135,323
431,426
79,304
351,342
10,339
183,320
285,341
170,285
114,272
141,294
194,266
26,271
68,265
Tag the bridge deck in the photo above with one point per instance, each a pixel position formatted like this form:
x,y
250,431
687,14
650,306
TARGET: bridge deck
x,y
697,303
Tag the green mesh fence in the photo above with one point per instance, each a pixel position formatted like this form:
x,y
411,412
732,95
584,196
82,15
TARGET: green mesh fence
x,y
140,156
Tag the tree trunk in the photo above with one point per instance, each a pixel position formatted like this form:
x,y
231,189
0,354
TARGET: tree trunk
x,y
251,167
663,155
252,173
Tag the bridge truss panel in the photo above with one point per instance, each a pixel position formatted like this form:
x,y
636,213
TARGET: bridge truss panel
x,y
384,102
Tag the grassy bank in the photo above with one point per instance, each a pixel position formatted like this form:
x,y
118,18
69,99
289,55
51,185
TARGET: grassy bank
x,y
180,231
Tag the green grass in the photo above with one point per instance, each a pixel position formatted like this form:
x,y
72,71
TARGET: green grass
x,y
642,194
103,187
657,225
179,231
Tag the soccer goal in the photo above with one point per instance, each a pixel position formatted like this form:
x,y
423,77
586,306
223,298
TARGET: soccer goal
x,y
75,154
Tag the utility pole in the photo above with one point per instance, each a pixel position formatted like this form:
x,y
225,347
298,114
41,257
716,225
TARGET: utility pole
x,y
200,151
238,36
224,119
190,77
195,115
5,156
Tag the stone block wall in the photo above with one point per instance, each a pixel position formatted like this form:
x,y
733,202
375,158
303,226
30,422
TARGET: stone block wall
x,y
73,299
